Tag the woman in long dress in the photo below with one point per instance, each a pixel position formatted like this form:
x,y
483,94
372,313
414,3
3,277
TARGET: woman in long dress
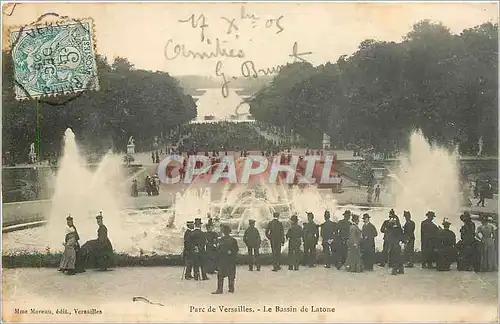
x,y
104,249
487,250
68,260
353,262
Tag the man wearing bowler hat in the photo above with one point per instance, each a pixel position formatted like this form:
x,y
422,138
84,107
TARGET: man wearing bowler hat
x,y
384,229
199,240
311,235
294,236
227,255
276,235
252,240
212,238
409,239
329,239
428,236
344,226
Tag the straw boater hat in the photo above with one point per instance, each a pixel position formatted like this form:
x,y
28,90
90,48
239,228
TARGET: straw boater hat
x,y
251,221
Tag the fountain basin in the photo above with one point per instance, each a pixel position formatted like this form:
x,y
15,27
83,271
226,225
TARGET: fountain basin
x,y
145,232
52,260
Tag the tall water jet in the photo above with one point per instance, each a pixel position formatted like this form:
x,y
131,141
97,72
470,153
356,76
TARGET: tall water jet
x,y
428,179
193,203
83,194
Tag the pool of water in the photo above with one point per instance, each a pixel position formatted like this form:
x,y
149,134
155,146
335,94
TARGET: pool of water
x,y
146,232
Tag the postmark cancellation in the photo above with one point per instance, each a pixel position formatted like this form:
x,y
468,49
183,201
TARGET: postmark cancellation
x,y
54,58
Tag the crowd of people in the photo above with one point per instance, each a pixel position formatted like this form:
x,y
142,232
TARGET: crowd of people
x,y
97,253
223,135
345,245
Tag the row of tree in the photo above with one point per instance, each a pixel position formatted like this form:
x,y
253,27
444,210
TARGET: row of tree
x,y
444,84
130,102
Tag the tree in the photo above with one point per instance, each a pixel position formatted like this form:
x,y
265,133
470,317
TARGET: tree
x,y
129,103
444,84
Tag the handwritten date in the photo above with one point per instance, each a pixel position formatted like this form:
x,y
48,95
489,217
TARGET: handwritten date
x,y
197,22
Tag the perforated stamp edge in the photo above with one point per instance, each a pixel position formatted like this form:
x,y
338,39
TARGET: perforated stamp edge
x,y
58,20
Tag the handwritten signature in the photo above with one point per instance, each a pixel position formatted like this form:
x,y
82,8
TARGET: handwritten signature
x,y
173,51
249,70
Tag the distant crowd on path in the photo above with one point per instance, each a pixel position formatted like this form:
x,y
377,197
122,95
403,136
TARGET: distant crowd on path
x,y
96,253
345,245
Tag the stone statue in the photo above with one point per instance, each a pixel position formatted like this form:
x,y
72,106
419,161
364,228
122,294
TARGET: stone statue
x,y
326,141
131,146
32,153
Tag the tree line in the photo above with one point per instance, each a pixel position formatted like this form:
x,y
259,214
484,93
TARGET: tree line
x,y
433,80
130,102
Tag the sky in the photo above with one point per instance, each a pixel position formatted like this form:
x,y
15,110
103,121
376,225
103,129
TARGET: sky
x,y
147,33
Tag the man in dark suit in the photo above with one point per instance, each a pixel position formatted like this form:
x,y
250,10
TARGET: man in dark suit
x,y
252,240
199,242
329,238
409,239
383,229
428,235
344,226
311,236
188,251
227,256
294,236
211,248
276,235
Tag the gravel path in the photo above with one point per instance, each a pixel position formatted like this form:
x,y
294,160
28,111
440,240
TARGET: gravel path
x,y
419,295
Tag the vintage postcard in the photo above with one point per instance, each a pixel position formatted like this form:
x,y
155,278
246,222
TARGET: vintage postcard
x,y
249,162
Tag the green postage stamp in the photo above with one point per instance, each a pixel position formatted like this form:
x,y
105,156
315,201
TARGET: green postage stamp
x,y
55,58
